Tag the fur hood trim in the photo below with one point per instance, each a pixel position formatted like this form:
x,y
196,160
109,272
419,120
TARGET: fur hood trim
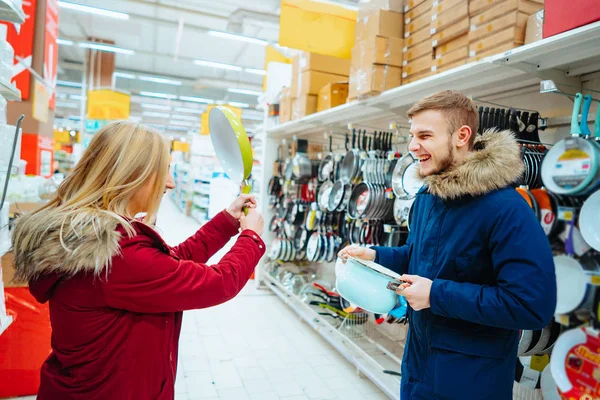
x,y
494,163
54,241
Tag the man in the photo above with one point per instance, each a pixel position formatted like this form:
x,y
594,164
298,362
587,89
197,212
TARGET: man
x,y
478,267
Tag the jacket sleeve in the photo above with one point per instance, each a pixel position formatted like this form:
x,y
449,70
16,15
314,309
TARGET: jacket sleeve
x,y
209,239
147,280
394,258
525,295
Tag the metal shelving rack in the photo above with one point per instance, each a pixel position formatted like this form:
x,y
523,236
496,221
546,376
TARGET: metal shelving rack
x,y
563,58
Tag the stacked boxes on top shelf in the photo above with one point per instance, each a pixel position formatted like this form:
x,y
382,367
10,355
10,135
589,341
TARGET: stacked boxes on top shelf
x,y
418,54
449,31
497,26
377,54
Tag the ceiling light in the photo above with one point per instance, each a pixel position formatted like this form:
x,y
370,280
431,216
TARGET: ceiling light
x,y
159,95
256,71
252,117
123,75
218,65
160,80
155,107
241,105
245,91
69,84
93,10
64,42
64,104
155,114
61,95
182,123
189,110
177,128
105,47
185,117
240,38
135,118
196,99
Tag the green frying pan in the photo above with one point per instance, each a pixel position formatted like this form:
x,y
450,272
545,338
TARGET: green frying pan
x,y
231,145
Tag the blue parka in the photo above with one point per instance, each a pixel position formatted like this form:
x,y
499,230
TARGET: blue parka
x,y
493,275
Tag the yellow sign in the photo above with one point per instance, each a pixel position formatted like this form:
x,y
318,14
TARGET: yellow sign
x,y
107,105
41,102
538,363
62,137
181,146
317,27
204,128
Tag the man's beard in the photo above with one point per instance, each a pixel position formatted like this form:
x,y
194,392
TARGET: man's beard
x,y
445,164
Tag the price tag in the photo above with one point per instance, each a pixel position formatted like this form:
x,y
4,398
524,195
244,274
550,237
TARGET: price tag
x,y
566,214
538,363
563,319
363,156
434,17
595,280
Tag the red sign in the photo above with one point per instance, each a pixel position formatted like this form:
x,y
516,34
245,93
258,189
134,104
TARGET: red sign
x,y
22,43
51,48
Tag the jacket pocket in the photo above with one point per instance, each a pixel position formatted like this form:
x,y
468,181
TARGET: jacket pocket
x,y
481,344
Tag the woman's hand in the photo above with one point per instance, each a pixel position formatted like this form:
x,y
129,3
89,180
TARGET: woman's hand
x,y
236,208
253,221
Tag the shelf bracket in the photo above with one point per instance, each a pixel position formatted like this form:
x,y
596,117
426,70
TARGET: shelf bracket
x,y
555,80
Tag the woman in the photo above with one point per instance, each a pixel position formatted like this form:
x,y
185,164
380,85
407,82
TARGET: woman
x,y
116,290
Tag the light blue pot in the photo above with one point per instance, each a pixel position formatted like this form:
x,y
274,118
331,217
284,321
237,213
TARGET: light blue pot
x,y
365,287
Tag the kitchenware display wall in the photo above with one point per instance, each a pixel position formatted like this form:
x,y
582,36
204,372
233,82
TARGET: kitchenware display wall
x,y
10,137
360,189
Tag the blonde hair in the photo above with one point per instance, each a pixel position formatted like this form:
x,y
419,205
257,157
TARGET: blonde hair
x,y
457,108
121,158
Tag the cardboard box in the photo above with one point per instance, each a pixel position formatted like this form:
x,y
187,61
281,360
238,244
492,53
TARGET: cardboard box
x,y
561,16
417,77
535,26
311,82
476,7
423,8
418,37
446,35
332,95
380,23
285,109
448,67
417,66
323,63
303,106
411,4
373,5
379,50
453,57
442,6
295,75
514,19
449,17
514,35
505,8
452,45
374,79
497,50
418,23
414,52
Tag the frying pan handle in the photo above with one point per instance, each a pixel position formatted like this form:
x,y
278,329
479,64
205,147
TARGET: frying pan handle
x,y
597,123
330,143
364,139
369,148
354,137
583,125
575,129
569,248
347,142
246,189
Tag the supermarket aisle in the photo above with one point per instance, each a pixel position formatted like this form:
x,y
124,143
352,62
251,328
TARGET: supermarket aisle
x,y
254,347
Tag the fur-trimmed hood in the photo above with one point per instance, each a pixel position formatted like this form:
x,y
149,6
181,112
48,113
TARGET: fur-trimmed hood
x,y
494,163
64,243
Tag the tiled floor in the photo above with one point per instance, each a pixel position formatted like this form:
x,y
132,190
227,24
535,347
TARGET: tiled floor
x,y
254,347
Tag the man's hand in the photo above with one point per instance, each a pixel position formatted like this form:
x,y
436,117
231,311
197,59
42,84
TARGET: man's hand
x,y
236,208
364,253
416,291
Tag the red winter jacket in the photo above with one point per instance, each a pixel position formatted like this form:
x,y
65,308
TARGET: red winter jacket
x,y
115,335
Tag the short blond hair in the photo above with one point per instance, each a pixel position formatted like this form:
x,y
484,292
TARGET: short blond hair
x,y
457,108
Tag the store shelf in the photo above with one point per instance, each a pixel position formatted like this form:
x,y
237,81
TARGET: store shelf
x,y
5,323
565,55
8,91
369,355
10,12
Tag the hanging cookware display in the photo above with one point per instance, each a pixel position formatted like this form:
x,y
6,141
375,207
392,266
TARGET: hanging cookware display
x,y
324,194
589,220
572,166
302,166
351,162
327,164
398,175
402,209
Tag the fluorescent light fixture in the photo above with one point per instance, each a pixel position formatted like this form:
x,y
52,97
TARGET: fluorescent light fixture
x,y
93,10
186,117
158,95
240,38
155,114
104,47
245,91
253,118
177,128
155,107
135,118
196,99
64,104
69,84
241,105
64,42
61,96
182,123
123,75
160,80
256,71
217,65
189,110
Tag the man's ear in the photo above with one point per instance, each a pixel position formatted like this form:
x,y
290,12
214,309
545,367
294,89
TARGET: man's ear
x,y
463,136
